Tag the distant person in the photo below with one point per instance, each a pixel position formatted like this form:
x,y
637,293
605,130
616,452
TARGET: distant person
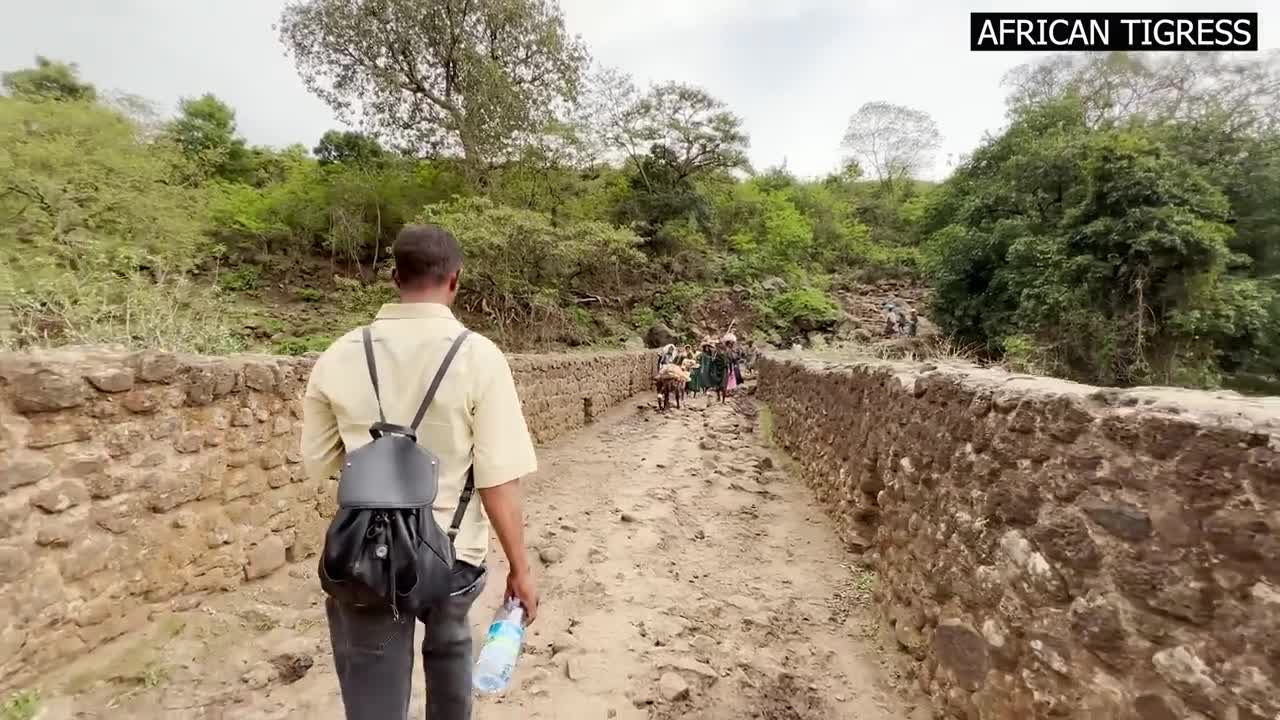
x,y
665,356
689,361
913,323
891,320
705,359
718,371
733,363
475,428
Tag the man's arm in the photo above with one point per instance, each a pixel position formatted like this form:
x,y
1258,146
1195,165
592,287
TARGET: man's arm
x,y
503,506
321,444
502,454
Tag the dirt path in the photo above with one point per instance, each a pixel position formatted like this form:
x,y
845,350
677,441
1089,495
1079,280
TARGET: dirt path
x,y
682,577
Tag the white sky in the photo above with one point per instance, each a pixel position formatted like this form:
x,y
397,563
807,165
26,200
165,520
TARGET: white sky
x,y
794,70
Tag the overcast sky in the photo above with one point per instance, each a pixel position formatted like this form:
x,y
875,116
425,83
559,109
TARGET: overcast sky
x,y
794,70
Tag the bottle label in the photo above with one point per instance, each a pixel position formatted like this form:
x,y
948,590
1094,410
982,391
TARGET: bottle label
x,y
506,636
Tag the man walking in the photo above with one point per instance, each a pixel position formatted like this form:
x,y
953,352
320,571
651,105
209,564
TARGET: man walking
x,y
474,424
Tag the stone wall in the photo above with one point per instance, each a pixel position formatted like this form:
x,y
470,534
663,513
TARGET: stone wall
x,y
130,482
1047,549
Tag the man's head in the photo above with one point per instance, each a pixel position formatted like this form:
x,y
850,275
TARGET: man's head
x,y
428,263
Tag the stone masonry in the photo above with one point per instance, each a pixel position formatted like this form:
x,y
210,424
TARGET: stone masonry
x,y
136,481
1051,550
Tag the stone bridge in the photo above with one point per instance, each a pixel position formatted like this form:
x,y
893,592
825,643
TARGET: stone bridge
x,y
129,480
1045,549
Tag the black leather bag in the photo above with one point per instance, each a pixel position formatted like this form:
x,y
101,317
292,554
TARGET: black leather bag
x,y
383,546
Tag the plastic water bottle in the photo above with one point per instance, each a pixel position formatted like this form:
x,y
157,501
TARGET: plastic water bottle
x,y
501,649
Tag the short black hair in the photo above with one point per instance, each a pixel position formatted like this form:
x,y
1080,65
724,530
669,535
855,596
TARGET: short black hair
x,y
425,255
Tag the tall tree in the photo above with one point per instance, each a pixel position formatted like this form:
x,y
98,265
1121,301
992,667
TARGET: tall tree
x,y
205,130
893,141
349,148
677,125
465,76
48,80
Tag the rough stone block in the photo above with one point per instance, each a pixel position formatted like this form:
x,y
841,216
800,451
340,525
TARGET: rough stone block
x,y
61,496
264,558
111,379
24,469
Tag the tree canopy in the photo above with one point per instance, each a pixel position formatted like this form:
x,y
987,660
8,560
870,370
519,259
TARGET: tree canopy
x,y
48,80
466,76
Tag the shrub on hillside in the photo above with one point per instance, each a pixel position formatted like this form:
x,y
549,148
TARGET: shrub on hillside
x,y
800,311
1098,254
99,231
522,268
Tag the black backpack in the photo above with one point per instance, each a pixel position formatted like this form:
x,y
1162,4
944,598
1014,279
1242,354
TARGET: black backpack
x,y
384,546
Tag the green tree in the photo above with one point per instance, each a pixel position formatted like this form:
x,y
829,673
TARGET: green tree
x,y
48,80
99,236
1098,254
468,76
205,130
349,147
678,126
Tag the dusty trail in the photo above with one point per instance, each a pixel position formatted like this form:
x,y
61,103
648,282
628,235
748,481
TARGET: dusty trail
x,y
682,576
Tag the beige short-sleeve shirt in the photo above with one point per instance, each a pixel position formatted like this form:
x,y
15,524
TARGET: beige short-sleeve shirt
x,y
475,419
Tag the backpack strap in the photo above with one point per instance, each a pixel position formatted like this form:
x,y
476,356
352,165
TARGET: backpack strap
x,y
435,381
463,501
367,336
470,487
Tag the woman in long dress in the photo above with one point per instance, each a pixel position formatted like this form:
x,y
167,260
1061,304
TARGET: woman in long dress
x,y
733,364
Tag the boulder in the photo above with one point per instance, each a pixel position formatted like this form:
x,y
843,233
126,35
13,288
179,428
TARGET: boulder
x,y
660,335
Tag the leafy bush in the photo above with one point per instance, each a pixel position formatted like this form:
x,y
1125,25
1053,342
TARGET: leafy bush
x,y
20,706
242,279
521,268
1102,248
800,311
303,345
310,295
99,232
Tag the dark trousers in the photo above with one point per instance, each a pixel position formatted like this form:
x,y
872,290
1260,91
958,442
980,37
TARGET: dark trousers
x,y
373,655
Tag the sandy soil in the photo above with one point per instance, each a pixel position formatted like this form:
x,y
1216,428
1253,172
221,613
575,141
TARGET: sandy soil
x,y
683,575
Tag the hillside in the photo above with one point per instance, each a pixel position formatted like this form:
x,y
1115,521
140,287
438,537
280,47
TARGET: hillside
x,y
1115,246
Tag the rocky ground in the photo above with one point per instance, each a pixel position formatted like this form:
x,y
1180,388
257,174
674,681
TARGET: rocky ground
x,y
684,574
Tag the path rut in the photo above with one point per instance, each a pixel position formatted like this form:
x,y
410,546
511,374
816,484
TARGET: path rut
x,y
683,573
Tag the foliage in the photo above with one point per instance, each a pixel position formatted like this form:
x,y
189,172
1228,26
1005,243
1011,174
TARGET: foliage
x,y
895,142
303,345
245,277
453,75
800,311
1103,247
205,131
523,269
98,228
48,80
349,148
20,706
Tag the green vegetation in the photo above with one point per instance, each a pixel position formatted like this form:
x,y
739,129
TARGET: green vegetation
x,y
20,706
1122,229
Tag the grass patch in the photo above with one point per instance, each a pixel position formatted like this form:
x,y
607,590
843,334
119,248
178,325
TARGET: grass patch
x,y
864,581
242,279
309,295
302,345
766,425
20,705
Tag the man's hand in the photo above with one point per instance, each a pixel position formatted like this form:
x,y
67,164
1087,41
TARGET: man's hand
x,y
502,504
521,587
